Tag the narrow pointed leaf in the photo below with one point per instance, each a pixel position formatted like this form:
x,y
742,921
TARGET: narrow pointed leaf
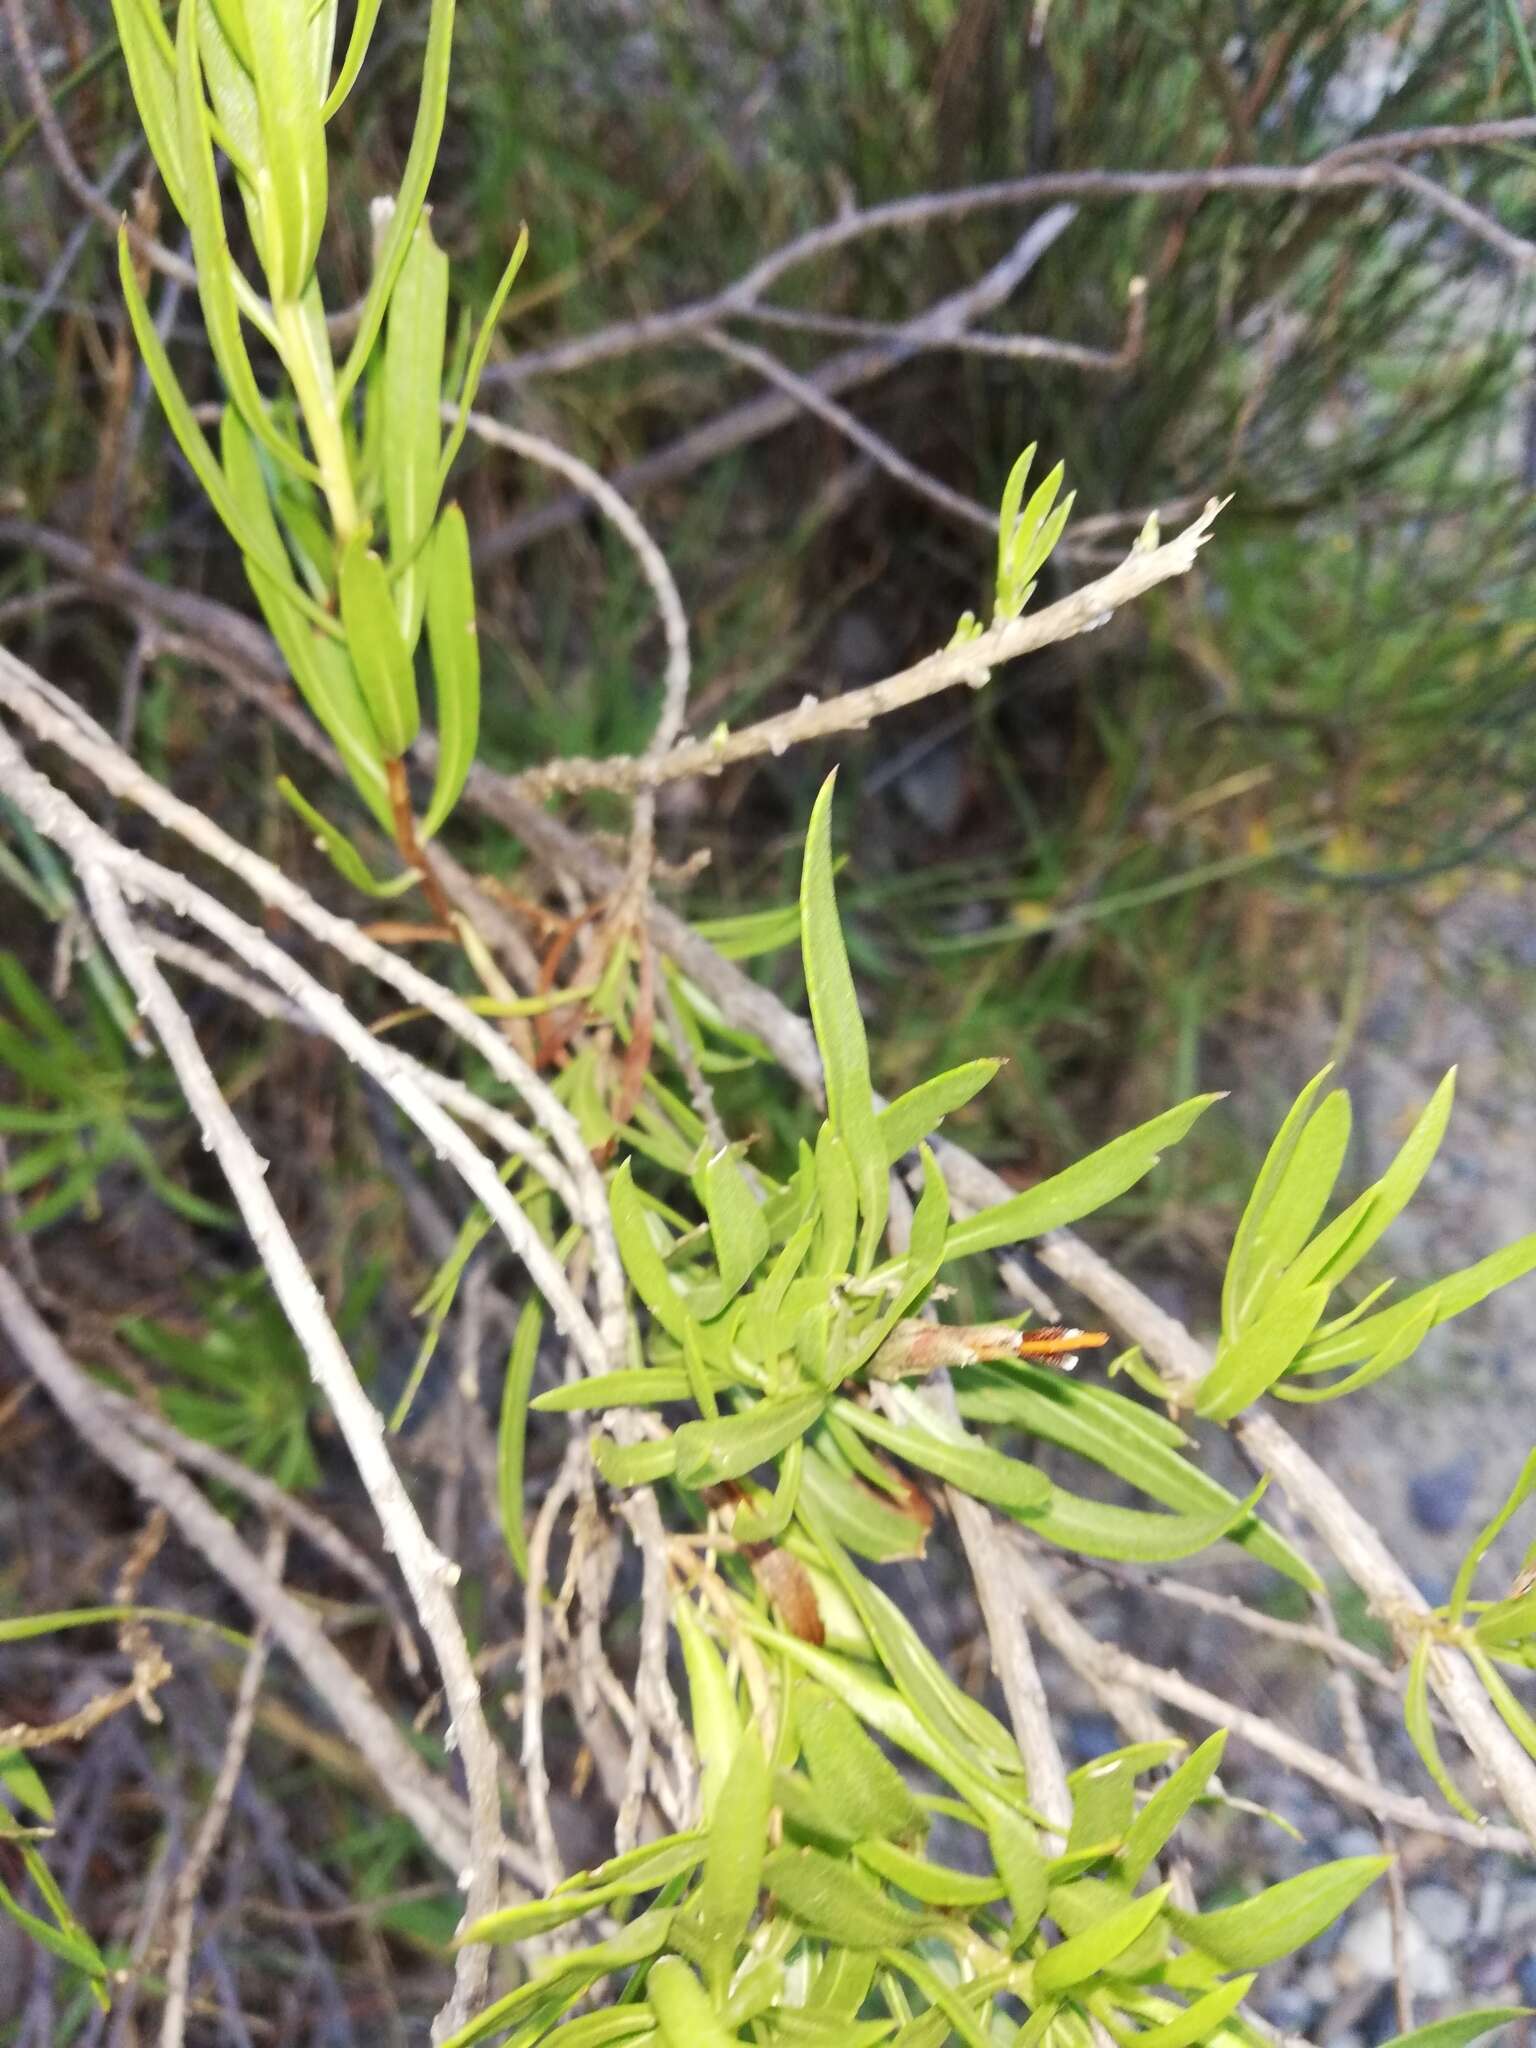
x,y
453,640
340,851
1022,1868
1266,1350
836,1902
1201,2022
1465,2028
1397,1350
152,76
512,1432
918,1113
868,1794
1153,1827
1398,1185
1078,1190
1263,1929
839,1025
417,175
1298,1201
736,1225
709,1452
292,177
1452,1295
479,355
364,22
1085,1955
414,340
379,653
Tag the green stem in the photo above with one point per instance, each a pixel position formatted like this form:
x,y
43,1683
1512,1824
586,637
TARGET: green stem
x,y
315,390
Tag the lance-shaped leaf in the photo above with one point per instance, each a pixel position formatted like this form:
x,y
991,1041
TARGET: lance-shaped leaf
x,y
1249,1256
736,1226
868,1794
839,1026
836,1902
414,341
1298,1201
340,851
454,643
685,2015
1085,1955
512,1431
1390,1195
475,369
1451,1296
1022,1868
1153,1828
1397,1350
364,21
1078,1189
291,177
709,1452
918,1113
152,76
211,251
396,239
714,1717
1201,2022
570,1973
1251,1364
922,1437
1136,1443
1461,2031
1263,1929
721,1910
379,654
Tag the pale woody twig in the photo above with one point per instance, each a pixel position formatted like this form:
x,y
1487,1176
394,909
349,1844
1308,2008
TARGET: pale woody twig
x,y
854,710
431,1807
33,700
427,1573
1086,1654
183,1905
805,394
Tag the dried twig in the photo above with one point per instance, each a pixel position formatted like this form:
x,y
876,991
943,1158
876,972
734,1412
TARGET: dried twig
x,y
853,710
433,1809
189,1881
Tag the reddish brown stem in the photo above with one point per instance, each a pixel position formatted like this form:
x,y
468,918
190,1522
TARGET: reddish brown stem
x,y
411,850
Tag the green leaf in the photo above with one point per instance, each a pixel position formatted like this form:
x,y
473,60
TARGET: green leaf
x,y
1153,1827
1022,1868
1201,2021
340,851
923,1438
714,1716
1104,1793
425,138
1421,1729
647,1270
869,1525
1085,1955
1397,1350
1251,1254
1453,1295
1465,2028
861,1787
632,1944
684,2014
837,1192
1008,513
1134,1442
454,642
1398,1185
385,674
536,1916
68,1940
835,1901
415,337
291,177
645,1386
1099,1529
736,1226
1285,1917
152,76
641,1464
20,1779
364,21
193,443
512,1431
1299,1202
1078,1190
839,1026
932,1884
1263,1354
211,251
752,933
479,355
722,1908
708,1452
919,1112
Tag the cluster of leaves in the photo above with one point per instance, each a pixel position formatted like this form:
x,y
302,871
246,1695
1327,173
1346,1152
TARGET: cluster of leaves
x,y
84,1092
57,1929
807,1908
257,83
778,1315
1284,1269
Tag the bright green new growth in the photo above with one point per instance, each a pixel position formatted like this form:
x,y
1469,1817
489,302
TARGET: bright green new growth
x,y
301,480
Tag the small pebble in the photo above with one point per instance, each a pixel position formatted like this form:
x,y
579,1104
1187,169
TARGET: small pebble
x,y
1525,1977
1443,1911
1366,1953
1441,1496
